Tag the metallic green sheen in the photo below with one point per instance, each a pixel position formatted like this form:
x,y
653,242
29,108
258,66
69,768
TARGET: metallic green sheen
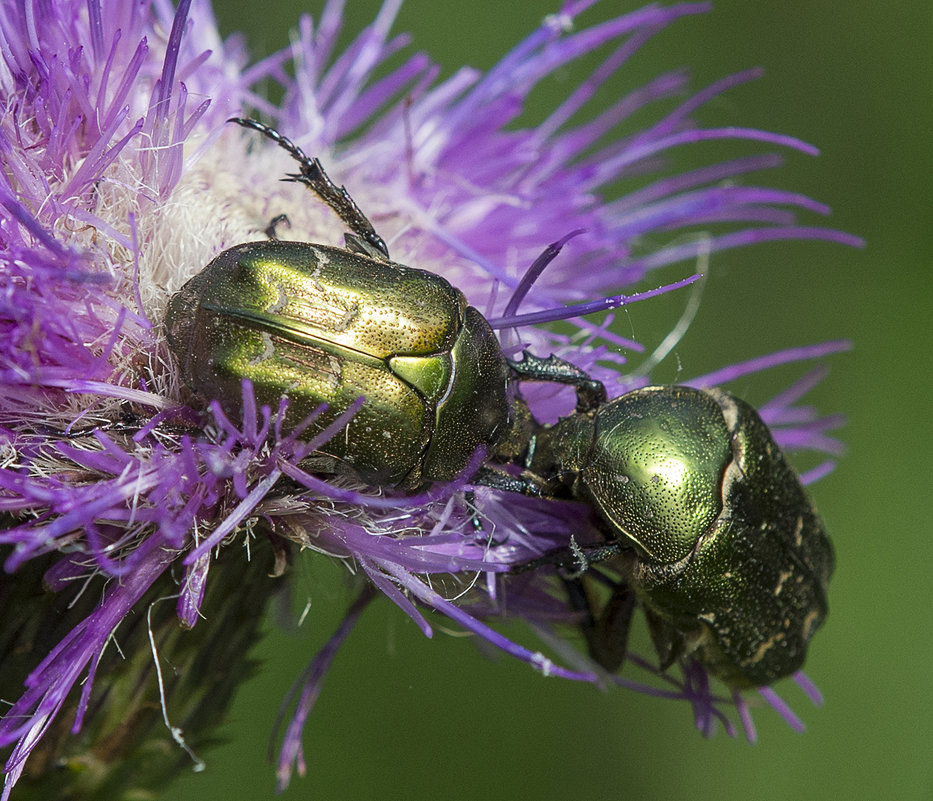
x,y
320,324
753,592
731,557
655,468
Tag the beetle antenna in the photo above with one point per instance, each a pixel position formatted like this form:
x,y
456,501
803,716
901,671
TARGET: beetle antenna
x,y
313,176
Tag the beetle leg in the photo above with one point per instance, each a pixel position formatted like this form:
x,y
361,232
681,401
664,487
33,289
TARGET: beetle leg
x,y
606,632
575,558
668,643
313,176
274,223
590,392
356,244
129,423
525,484
608,638
580,602
469,498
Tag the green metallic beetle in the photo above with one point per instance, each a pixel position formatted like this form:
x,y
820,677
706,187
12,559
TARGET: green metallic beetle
x,y
708,524
320,324
710,528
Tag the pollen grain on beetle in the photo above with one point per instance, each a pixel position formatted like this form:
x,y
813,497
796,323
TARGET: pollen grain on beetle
x,y
234,332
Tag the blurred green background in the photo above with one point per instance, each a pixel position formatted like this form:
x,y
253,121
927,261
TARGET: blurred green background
x,y
403,717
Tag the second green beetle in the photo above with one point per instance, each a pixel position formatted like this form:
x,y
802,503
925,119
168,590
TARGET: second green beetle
x,y
710,527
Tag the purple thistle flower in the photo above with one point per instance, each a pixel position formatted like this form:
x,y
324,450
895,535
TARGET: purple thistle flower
x,y
120,181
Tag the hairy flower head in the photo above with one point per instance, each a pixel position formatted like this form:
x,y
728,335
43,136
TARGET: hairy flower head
x,y
120,181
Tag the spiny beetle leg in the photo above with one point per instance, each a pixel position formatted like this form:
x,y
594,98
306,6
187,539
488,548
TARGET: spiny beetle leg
x,y
576,559
591,394
313,176
525,484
